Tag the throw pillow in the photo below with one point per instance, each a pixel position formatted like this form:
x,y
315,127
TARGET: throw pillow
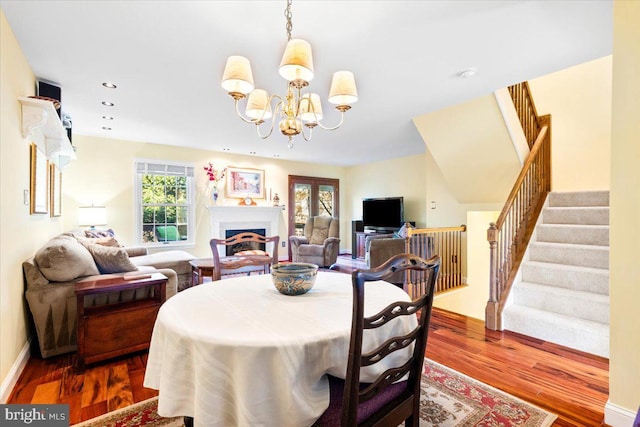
x,y
93,233
110,259
63,259
104,241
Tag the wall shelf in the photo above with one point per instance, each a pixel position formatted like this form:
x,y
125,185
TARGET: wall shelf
x,y
40,122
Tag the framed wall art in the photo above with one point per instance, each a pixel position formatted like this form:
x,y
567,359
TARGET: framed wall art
x,y
244,183
39,185
55,179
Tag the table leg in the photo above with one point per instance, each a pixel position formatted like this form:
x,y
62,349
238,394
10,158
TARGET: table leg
x,y
188,421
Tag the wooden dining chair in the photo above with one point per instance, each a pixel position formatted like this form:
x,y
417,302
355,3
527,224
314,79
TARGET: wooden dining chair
x,y
386,401
245,260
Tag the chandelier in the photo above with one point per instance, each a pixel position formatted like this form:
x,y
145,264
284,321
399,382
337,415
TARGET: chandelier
x,y
297,110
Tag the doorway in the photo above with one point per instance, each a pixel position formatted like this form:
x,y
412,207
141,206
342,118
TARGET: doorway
x,y
311,196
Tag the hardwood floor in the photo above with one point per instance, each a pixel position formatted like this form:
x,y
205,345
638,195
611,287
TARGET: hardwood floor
x,y
569,383
572,384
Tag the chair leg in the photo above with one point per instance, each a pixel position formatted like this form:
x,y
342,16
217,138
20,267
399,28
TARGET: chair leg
x,y
188,421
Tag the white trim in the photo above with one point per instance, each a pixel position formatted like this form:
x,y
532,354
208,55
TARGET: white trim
x,y
11,379
617,416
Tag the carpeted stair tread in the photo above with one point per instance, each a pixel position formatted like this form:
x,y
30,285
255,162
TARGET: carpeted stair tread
x,y
595,256
586,215
580,304
579,198
579,278
584,335
584,234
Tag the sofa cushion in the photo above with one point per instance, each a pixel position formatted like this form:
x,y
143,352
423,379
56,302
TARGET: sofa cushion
x,y
104,241
62,259
110,259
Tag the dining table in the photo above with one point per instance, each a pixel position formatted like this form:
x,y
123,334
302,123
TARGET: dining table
x,y
236,352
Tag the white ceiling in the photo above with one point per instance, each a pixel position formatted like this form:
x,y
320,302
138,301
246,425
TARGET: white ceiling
x,y
167,58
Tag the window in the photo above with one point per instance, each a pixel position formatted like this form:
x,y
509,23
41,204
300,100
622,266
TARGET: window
x,y
165,214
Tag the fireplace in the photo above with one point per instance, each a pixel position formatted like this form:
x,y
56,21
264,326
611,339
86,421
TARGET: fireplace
x,y
224,218
244,246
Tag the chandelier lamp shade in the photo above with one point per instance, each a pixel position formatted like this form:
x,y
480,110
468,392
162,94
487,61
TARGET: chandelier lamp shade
x,y
296,110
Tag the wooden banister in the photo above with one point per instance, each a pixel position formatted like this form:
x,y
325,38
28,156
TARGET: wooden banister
x,y
509,236
443,241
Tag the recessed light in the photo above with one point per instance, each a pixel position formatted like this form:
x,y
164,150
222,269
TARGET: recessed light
x,y
276,155
107,117
252,152
226,149
109,85
106,128
108,104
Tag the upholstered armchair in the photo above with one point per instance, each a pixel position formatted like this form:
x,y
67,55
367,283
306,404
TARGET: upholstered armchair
x,y
320,244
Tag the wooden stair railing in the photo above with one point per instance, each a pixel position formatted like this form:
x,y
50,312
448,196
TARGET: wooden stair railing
x,y
509,236
523,102
426,242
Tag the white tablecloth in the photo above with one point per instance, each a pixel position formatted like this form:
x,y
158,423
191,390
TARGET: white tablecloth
x,y
236,352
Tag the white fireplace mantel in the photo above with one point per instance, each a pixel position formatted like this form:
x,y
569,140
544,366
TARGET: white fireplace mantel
x,y
225,218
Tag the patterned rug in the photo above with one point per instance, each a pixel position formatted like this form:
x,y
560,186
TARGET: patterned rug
x,y
449,399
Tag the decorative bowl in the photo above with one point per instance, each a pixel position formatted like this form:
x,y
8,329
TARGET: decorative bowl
x,y
295,278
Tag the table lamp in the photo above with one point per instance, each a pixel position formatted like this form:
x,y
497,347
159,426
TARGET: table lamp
x,y
92,216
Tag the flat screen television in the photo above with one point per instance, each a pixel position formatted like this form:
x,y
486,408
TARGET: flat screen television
x,y
383,214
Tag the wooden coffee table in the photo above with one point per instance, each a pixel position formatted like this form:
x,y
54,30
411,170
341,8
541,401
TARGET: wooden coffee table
x,y
111,330
199,269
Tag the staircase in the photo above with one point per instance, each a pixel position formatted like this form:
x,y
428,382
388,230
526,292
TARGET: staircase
x,y
562,294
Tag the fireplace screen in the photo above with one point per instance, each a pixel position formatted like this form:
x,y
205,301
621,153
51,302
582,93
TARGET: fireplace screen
x,y
244,246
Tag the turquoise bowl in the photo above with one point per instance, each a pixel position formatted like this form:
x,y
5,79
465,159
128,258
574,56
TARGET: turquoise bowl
x,y
295,278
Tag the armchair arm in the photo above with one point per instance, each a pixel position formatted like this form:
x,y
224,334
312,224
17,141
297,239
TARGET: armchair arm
x,y
331,250
295,242
370,238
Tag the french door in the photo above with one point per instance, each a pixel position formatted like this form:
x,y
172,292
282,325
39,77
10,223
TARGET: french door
x,y
311,196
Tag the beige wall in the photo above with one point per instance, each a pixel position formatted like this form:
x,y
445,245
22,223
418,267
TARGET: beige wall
x,y
405,176
579,101
103,175
624,376
20,233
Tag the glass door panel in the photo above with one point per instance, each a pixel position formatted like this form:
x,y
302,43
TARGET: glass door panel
x,y
302,207
326,200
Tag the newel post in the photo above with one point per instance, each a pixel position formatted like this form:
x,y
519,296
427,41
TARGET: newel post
x,y
492,316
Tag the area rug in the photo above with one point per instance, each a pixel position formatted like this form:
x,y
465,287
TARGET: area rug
x,y
449,399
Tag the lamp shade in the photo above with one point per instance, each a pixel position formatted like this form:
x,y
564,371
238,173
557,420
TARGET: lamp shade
x,y
237,76
310,107
297,61
258,106
92,215
343,88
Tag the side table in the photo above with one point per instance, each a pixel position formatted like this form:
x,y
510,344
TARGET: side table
x,y
199,269
111,330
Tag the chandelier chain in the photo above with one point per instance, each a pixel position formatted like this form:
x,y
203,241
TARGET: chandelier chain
x,y
288,15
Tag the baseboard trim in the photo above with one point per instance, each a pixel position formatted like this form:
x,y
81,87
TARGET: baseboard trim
x,y
617,416
14,373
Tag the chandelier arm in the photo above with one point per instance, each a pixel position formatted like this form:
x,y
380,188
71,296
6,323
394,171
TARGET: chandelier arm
x,y
336,126
276,108
243,118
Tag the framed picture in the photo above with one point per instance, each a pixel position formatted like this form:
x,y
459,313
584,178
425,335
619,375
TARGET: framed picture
x,y
39,181
55,178
244,183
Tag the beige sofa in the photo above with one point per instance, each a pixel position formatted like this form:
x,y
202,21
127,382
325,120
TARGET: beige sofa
x,y
51,274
